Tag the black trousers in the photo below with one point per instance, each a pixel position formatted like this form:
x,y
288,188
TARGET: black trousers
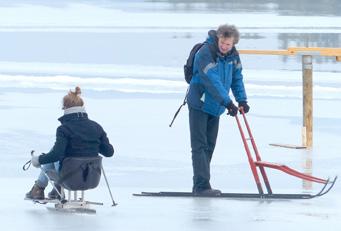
x,y
204,131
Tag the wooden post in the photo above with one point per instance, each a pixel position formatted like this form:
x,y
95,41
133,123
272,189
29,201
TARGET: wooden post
x,y
307,80
307,130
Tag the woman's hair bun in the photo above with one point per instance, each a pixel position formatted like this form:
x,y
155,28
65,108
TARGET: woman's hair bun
x,y
73,99
78,90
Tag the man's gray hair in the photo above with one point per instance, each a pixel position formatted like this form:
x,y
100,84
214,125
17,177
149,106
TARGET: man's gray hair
x,y
228,31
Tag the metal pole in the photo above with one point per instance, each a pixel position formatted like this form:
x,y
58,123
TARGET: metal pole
x,y
106,181
307,72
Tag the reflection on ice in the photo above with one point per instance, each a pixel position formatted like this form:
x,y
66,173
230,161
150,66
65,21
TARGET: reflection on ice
x,y
307,162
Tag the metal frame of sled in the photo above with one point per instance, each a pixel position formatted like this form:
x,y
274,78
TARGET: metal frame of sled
x,y
75,183
261,165
256,165
72,203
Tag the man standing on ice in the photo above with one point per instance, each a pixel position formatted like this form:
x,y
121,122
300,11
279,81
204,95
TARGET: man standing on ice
x,y
216,70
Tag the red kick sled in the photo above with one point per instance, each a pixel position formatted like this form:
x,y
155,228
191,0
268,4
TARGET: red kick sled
x,y
261,165
256,165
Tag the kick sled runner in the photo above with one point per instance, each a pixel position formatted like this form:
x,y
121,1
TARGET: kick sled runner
x,y
258,169
77,175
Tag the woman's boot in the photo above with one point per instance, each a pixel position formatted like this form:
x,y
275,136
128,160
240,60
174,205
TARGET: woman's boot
x,y
36,193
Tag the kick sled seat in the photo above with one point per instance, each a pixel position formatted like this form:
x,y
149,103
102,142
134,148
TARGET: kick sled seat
x,y
77,174
80,173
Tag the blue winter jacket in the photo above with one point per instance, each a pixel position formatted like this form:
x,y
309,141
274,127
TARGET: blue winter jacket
x,y
213,77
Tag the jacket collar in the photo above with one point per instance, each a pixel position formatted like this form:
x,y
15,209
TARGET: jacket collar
x,y
212,40
74,110
73,113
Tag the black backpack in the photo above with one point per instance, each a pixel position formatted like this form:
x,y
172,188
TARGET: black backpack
x,y
188,67
188,71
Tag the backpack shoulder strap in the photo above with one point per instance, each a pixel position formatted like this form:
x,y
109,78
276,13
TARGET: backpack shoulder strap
x,y
177,112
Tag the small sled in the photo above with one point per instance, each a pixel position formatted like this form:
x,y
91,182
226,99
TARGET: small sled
x,y
256,165
71,204
77,175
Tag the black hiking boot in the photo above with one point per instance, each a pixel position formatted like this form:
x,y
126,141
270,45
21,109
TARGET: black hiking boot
x,y
54,194
208,192
36,193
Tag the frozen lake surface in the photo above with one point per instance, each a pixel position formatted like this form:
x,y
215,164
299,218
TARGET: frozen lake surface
x,y
150,156
127,57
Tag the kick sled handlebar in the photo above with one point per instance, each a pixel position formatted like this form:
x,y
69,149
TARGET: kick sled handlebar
x,y
261,165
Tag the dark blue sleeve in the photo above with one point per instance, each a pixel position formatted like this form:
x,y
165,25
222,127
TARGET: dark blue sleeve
x,y
58,150
105,148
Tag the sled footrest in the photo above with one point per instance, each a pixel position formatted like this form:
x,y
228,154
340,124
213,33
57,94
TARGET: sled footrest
x,y
290,171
